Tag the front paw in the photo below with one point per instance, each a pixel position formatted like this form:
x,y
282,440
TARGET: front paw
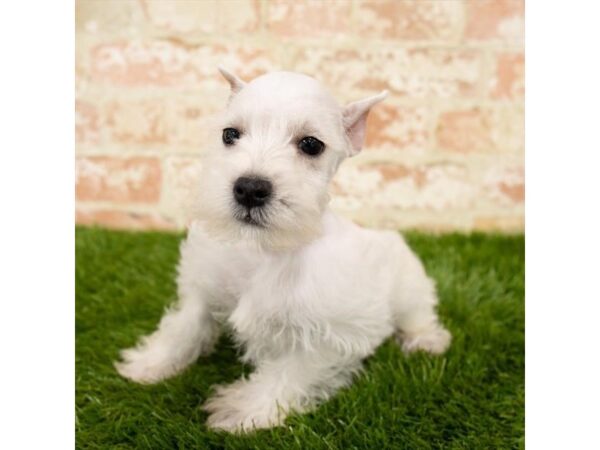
x,y
435,341
144,366
241,408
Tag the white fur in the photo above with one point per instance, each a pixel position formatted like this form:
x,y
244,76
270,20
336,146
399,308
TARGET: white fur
x,y
308,295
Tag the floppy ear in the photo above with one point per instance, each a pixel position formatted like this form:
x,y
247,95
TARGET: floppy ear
x,y
355,120
236,83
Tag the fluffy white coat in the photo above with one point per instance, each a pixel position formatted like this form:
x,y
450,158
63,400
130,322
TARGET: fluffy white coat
x,y
306,294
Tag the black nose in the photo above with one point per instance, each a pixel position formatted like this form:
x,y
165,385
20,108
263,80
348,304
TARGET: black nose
x,y
251,192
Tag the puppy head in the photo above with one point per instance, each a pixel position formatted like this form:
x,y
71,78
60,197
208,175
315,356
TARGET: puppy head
x,y
275,149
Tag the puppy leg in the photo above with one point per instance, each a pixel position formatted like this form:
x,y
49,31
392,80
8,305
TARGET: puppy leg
x,y
184,332
293,383
417,323
419,329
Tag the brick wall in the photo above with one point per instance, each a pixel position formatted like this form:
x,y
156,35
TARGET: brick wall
x,y
444,152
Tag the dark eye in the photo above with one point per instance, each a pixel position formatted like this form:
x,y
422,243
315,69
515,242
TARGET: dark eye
x,y
230,135
311,146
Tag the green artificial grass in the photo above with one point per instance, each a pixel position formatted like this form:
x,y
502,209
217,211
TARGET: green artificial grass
x,y
470,398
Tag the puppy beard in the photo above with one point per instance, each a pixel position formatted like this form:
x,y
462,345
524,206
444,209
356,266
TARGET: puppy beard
x,y
282,224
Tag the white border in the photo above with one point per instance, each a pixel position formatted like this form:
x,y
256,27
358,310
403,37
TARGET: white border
x,y
562,225
36,238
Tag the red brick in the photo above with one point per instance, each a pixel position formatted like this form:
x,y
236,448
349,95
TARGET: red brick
x,y
506,185
397,128
312,18
410,20
419,73
170,62
509,80
394,172
387,187
495,20
103,178
516,192
465,131
137,63
123,220
172,122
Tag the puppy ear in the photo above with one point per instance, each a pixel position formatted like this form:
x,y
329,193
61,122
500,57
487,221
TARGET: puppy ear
x,y
235,83
355,120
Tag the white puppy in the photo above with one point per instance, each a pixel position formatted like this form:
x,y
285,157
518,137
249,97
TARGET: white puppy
x,y
306,294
